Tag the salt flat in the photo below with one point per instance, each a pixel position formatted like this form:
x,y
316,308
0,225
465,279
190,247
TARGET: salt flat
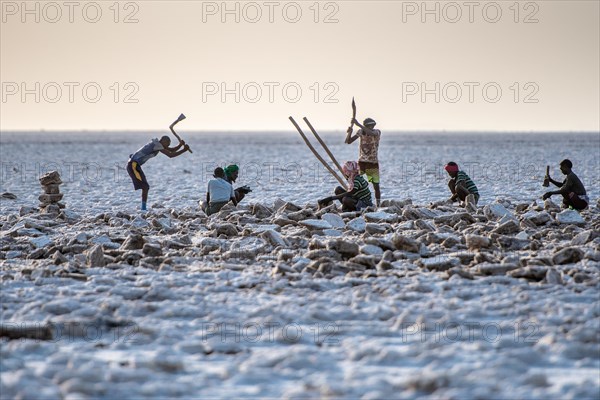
x,y
430,302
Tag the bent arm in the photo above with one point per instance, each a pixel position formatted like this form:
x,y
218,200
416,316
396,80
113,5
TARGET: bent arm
x,y
351,138
567,186
346,193
555,183
171,153
179,146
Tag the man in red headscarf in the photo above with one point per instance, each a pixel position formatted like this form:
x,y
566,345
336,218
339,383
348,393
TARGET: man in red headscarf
x,y
460,184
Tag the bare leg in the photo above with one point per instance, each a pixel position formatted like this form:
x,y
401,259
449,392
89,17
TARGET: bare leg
x,y
348,203
462,193
144,198
377,194
452,186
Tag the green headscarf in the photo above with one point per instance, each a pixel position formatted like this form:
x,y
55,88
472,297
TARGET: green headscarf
x,y
230,169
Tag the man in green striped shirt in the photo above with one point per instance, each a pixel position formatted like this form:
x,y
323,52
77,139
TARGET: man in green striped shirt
x,y
460,184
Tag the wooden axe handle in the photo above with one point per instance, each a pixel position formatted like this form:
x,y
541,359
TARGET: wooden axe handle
x,y
175,133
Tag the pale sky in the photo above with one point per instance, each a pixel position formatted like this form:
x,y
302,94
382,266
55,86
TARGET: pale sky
x,y
535,69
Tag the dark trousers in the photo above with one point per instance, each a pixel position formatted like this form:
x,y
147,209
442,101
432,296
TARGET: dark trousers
x,y
574,201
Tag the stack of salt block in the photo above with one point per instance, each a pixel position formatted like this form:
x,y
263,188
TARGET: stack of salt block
x,y
50,199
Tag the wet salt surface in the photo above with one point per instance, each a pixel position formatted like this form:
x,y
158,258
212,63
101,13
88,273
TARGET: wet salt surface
x,y
281,166
209,326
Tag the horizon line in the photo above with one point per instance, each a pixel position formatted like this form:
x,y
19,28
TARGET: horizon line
x,y
288,131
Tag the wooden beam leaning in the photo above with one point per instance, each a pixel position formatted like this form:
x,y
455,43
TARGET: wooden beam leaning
x,y
318,156
324,145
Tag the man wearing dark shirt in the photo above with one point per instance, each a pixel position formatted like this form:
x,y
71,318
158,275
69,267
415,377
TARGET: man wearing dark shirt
x,y
571,189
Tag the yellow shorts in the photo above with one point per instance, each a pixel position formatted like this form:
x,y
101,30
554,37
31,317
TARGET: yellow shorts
x,y
371,170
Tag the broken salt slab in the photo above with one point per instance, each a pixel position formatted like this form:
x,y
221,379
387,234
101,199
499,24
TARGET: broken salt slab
x,y
380,216
497,210
105,242
264,228
40,241
357,224
570,217
140,222
316,224
335,220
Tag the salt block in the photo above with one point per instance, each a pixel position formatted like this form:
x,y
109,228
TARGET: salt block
x,y
40,242
380,216
335,220
405,243
568,255
357,224
95,256
495,269
538,218
477,241
52,177
316,224
51,189
274,238
50,198
140,222
9,196
371,250
265,227
496,209
570,217
439,263
343,247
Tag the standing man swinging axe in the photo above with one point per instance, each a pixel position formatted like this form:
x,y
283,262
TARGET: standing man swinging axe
x,y
148,151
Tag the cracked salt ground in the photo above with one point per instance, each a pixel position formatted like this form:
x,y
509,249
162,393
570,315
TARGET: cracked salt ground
x,y
412,300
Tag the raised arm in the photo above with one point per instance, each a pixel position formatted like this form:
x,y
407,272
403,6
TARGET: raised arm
x,y
367,131
349,137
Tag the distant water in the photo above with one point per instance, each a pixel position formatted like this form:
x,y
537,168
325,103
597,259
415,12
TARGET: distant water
x,y
503,165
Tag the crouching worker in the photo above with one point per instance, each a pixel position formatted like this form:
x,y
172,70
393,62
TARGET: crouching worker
x,y
358,195
219,193
231,175
571,189
139,158
460,184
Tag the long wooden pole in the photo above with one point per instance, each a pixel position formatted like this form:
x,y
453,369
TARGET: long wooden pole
x,y
324,145
318,156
